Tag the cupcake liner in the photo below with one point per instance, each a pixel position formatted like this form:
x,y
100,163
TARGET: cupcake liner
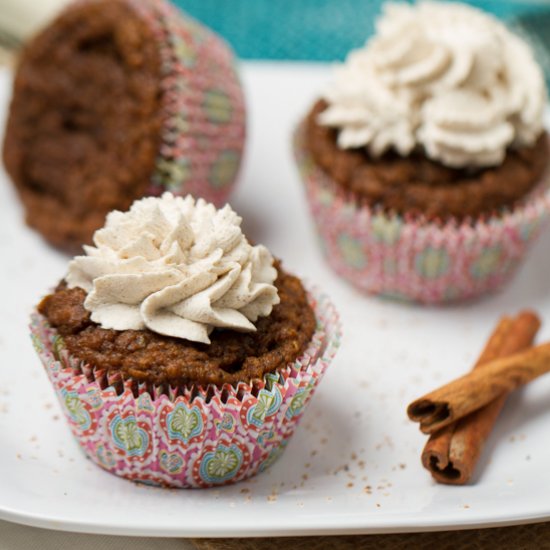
x,y
198,436
203,109
415,259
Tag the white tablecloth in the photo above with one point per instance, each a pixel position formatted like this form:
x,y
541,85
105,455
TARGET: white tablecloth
x,y
20,537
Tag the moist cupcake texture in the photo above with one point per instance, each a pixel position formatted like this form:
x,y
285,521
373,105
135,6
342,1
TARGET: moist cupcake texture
x,y
419,186
173,294
145,356
182,355
115,100
425,160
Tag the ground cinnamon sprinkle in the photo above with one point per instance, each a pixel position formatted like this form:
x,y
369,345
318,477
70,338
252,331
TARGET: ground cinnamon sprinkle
x,y
145,356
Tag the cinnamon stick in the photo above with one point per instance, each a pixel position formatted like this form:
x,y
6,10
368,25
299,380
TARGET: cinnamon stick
x,y
478,388
451,454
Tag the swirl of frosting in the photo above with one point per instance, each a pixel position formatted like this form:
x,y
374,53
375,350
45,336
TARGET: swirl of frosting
x,y
177,267
444,77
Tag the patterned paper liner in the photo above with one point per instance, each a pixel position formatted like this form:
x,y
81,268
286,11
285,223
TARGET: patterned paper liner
x,y
414,259
186,437
203,133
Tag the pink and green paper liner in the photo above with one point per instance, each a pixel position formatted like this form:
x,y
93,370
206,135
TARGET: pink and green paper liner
x,y
203,108
186,437
414,259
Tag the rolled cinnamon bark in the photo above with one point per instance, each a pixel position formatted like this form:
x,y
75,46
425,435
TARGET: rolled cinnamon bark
x,y
451,454
478,388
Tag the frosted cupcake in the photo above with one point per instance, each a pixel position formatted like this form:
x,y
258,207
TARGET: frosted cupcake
x,y
116,100
426,160
181,354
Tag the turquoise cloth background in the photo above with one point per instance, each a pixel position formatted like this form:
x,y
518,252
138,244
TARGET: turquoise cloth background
x,y
325,30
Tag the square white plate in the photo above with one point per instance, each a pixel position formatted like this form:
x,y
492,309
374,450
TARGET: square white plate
x,y
353,465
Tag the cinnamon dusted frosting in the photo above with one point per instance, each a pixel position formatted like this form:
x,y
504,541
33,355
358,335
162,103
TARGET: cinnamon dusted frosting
x,y
442,76
177,267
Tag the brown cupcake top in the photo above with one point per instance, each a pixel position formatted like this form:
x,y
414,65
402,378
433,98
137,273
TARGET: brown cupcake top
x,y
419,186
84,124
144,356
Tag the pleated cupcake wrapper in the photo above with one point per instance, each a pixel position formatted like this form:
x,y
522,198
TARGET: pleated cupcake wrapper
x,y
203,109
186,437
414,259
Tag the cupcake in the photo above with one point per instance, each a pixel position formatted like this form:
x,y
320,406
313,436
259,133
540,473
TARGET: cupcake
x,y
425,162
182,355
116,100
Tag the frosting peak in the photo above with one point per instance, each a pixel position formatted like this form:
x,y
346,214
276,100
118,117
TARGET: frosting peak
x,y
177,267
442,76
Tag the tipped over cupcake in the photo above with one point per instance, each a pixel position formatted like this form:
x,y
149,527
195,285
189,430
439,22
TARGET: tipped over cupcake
x,y
182,354
426,160
116,100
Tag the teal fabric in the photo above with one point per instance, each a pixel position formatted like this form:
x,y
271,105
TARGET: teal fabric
x,y
319,30
326,30
535,28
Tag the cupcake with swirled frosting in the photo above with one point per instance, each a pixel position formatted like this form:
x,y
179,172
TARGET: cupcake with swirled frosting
x,y
426,159
182,354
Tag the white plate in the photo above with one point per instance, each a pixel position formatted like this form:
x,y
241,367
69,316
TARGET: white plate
x,y
355,434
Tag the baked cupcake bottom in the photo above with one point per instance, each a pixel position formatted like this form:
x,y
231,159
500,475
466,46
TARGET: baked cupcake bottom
x,y
192,436
409,257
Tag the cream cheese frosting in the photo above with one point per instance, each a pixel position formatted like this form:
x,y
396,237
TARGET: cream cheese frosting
x,y
444,77
176,266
